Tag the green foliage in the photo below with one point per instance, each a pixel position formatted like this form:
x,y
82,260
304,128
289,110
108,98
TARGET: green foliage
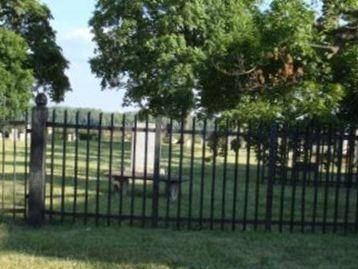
x,y
228,57
346,71
30,19
15,78
160,47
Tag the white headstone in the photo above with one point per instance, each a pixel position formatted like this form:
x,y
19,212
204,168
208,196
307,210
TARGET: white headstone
x,y
345,147
70,137
22,136
140,149
188,143
14,134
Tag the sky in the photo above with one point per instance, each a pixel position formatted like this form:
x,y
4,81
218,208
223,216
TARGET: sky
x,y
73,35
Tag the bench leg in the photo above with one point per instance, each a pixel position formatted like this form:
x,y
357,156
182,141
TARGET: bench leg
x,y
121,186
173,191
124,187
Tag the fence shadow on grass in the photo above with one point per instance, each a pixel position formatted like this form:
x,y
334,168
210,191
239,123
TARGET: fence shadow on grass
x,y
295,206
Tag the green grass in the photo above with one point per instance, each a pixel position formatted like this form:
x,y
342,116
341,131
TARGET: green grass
x,y
79,246
113,247
252,185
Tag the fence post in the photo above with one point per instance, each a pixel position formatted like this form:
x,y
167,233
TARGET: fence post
x,y
156,176
271,175
36,201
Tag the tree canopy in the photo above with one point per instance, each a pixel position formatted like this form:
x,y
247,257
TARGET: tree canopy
x,y
29,21
230,57
15,79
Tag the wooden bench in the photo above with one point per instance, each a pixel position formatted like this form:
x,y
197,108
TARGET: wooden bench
x,y
120,182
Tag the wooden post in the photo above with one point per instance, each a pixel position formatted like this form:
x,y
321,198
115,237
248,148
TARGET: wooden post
x,y
158,132
36,202
271,175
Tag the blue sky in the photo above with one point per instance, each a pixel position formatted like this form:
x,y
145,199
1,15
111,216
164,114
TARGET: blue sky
x,y
71,23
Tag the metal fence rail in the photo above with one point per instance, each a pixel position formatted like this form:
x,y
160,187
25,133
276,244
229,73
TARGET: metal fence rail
x,y
192,173
203,174
14,148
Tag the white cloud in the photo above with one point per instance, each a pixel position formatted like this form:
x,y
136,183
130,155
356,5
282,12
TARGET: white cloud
x,y
82,33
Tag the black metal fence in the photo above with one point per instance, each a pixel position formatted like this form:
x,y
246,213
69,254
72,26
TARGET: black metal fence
x,y
15,149
196,174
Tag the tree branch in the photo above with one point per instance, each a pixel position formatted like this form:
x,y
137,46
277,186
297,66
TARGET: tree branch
x,y
333,49
232,74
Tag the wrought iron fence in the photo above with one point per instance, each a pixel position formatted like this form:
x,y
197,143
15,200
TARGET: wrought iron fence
x,y
195,174
177,174
15,148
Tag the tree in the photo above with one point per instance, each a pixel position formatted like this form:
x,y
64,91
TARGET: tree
x,y
155,47
228,58
343,40
15,78
31,20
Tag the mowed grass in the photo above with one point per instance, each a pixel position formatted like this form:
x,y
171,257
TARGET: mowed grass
x,y
68,245
63,246
214,193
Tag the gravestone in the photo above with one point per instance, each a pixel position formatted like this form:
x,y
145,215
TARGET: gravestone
x,y
138,155
188,143
22,136
145,157
70,137
14,134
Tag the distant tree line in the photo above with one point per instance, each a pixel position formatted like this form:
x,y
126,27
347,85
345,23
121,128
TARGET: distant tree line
x,y
83,116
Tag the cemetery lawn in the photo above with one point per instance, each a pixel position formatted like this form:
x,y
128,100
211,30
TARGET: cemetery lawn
x,y
123,247
13,179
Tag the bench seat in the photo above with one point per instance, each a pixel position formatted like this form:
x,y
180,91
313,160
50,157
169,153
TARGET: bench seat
x,y
121,181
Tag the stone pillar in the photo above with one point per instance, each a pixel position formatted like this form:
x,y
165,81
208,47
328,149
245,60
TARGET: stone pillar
x,y
36,202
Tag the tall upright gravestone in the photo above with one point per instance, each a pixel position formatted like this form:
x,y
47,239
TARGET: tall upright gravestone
x,y
143,149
